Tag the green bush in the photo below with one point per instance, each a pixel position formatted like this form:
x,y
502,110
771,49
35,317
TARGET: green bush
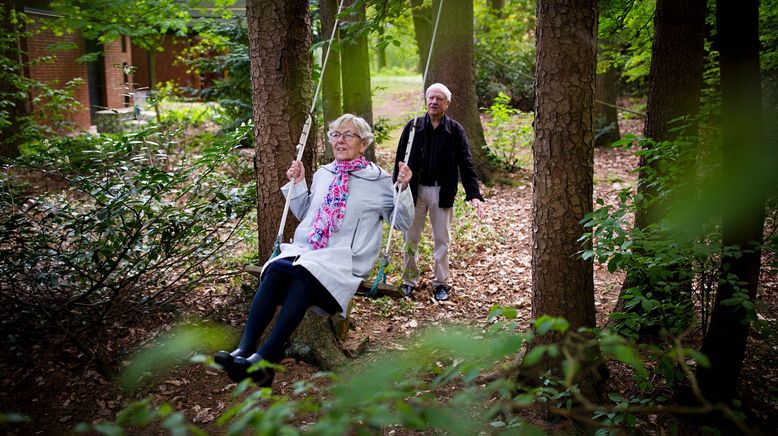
x,y
130,233
508,130
456,381
505,53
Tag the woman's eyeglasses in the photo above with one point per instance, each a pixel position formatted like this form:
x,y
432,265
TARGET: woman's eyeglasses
x,y
348,136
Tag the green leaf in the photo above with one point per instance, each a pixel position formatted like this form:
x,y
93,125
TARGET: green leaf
x,y
534,355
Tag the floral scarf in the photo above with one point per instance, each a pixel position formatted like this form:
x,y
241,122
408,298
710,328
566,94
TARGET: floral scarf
x,y
330,215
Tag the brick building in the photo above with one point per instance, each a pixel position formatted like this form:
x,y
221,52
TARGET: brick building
x,y
103,82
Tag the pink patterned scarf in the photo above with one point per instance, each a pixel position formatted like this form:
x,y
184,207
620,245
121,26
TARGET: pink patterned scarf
x,y
330,215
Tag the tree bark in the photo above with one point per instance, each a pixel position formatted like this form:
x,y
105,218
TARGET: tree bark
x,y
453,65
279,44
11,136
355,72
422,26
332,98
743,218
279,40
675,83
563,154
606,119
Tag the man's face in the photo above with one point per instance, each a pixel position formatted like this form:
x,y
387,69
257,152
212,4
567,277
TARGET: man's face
x,y
436,103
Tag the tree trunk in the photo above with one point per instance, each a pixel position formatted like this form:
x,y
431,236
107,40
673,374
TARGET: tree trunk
x,y
380,50
279,44
497,5
453,65
332,103
606,119
563,154
355,72
11,135
675,82
743,219
422,26
279,40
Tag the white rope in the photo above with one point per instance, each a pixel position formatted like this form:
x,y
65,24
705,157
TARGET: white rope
x,y
307,126
409,145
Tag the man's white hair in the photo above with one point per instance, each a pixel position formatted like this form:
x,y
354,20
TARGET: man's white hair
x,y
440,87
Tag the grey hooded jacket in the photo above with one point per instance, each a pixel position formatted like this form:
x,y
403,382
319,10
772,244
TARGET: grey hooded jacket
x,y
352,251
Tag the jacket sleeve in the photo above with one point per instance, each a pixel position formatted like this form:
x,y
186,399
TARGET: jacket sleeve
x,y
299,197
401,147
466,167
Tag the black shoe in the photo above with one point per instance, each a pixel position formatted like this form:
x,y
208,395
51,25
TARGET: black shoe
x,y
407,290
225,359
441,293
238,371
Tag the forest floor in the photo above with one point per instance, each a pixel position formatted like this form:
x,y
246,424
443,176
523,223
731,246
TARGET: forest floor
x,y
490,263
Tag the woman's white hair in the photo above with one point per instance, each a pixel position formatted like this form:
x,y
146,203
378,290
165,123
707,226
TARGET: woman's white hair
x,y
440,87
361,126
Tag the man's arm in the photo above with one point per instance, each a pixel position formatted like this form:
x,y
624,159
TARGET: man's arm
x,y
466,167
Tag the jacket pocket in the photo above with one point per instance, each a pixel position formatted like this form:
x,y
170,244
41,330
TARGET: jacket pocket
x,y
355,234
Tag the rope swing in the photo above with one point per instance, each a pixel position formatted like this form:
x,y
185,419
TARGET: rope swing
x,y
381,275
304,135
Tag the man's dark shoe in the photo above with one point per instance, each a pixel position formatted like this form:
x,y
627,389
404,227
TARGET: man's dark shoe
x,y
407,290
441,293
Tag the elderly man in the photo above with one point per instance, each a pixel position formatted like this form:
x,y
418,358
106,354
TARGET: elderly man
x,y
440,154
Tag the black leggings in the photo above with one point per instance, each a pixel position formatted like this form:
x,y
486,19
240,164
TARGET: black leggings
x,y
295,290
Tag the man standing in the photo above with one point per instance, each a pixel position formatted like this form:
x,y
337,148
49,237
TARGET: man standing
x,y
439,155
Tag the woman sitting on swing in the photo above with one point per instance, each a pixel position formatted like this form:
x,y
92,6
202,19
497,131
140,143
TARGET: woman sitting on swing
x,y
334,247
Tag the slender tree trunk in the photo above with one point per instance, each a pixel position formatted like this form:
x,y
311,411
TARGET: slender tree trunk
x,y
743,219
279,40
453,65
332,103
563,154
497,5
355,72
279,45
380,51
422,26
606,119
675,83
11,134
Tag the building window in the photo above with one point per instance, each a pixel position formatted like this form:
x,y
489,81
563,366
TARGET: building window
x,y
124,44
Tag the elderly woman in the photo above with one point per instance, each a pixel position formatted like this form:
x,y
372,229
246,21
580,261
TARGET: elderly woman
x,y
334,247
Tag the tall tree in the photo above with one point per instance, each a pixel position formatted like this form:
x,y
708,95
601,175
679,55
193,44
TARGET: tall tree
x,y
675,83
745,173
606,120
453,65
279,43
279,52
422,26
13,102
355,67
332,98
563,155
